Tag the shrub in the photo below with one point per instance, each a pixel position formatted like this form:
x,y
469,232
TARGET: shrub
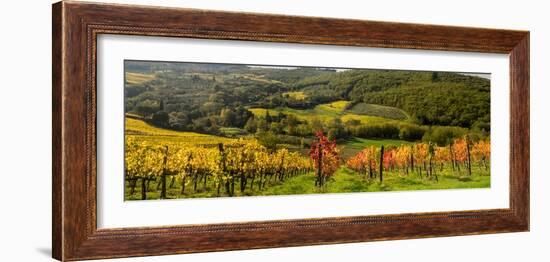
x,y
389,131
411,132
443,135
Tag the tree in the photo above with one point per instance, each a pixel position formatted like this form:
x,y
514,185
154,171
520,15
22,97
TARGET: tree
x,y
242,116
178,120
280,117
443,135
228,117
276,127
145,107
262,125
325,156
316,125
267,116
161,118
251,126
161,105
267,139
411,132
336,129
292,122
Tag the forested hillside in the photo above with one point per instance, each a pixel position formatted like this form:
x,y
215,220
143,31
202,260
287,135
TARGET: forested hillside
x,y
433,98
217,98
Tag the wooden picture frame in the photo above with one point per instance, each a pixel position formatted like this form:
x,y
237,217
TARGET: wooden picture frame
x,y
76,26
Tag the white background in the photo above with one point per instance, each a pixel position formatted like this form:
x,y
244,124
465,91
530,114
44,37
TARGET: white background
x,y
114,212
25,57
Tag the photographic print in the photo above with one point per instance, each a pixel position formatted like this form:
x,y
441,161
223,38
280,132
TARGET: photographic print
x,y
198,131
201,130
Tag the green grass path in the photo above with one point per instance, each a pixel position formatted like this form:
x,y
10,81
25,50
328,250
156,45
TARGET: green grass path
x,y
346,180
343,181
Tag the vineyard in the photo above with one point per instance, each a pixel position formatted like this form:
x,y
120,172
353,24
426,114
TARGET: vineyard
x,y
242,163
200,130
423,159
241,167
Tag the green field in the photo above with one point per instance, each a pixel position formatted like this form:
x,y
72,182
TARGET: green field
x,y
299,95
360,143
146,132
329,111
355,144
344,180
336,107
379,110
138,78
232,131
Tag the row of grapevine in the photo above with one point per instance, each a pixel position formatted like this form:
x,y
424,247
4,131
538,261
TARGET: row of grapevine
x,y
421,158
244,163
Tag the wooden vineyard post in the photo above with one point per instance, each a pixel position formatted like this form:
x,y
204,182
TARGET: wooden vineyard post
x,y
381,163
222,156
468,155
412,159
319,164
452,155
143,188
163,175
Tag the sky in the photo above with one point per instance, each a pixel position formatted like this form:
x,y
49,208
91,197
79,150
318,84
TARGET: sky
x,y
482,75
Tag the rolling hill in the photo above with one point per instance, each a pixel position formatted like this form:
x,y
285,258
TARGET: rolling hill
x,y
365,113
